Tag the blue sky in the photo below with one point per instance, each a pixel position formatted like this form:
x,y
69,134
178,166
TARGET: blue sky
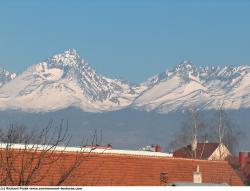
x,y
130,39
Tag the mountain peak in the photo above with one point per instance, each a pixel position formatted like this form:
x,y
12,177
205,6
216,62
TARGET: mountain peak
x,y
71,52
185,65
69,57
65,80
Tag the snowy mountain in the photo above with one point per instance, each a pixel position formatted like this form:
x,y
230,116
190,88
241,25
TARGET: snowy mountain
x,y
65,80
203,87
5,76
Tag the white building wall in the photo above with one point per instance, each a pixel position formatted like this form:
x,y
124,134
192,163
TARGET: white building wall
x,y
220,153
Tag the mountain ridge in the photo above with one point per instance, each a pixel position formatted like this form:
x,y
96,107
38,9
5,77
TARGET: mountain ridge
x,y
62,81
6,76
65,80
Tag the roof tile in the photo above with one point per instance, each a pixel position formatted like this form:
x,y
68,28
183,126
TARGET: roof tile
x,y
124,170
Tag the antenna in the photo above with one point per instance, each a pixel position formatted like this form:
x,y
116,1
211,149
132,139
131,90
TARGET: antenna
x,y
220,128
194,141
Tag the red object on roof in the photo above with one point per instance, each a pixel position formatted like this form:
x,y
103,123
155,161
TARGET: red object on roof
x,y
244,166
157,148
130,170
203,151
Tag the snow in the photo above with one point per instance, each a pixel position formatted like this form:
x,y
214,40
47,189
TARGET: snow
x,y
159,90
66,80
12,76
203,87
86,150
62,81
69,57
193,77
5,76
172,93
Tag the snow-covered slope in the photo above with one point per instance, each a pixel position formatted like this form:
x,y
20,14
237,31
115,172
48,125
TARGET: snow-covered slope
x,y
203,87
65,80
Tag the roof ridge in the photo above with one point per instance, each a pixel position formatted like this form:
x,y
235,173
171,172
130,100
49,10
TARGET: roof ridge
x,y
113,152
93,149
161,157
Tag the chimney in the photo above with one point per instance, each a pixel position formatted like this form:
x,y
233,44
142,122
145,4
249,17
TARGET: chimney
x,y
163,178
206,139
157,148
243,159
197,176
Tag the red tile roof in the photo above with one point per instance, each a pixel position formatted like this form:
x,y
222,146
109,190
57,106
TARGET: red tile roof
x,y
125,170
203,151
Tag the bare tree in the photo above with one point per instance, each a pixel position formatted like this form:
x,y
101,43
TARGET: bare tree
x,y
219,129
225,130
192,129
26,158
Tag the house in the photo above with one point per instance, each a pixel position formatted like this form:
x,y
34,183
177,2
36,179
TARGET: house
x,y
111,167
205,151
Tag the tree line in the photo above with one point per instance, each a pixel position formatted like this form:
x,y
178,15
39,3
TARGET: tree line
x,y
218,128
